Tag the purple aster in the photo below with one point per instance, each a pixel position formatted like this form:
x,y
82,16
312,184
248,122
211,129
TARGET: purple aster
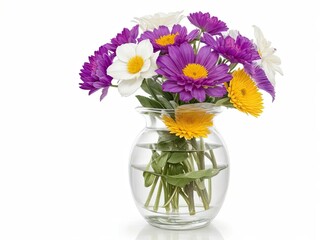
x,y
94,74
239,50
126,36
191,75
206,23
259,76
161,38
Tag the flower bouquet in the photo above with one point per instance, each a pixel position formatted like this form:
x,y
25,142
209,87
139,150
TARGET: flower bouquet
x,y
187,76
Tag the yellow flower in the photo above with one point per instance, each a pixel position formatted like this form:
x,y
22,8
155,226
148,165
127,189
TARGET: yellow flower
x,y
244,94
189,122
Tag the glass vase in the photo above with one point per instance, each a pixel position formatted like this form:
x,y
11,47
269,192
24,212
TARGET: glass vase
x,y
179,173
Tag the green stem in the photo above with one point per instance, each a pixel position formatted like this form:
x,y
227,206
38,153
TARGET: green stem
x,y
171,197
196,159
205,199
189,191
189,164
184,196
156,204
232,66
151,191
176,200
176,98
194,154
203,192
224,61
210,190
201,154
213,159
165,187
199,41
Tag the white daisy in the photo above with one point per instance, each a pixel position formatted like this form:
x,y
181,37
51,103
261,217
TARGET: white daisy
x,y
151,22
270,63
233,33
135,62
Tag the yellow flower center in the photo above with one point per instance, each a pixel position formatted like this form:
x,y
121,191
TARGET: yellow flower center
x,y
195,71
135,64
166,39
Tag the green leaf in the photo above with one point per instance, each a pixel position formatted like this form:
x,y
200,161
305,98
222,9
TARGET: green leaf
x,y
175,169
159,161
175,144
148,178
147,102
173,104
223,101
229,105
178,157
156,88
154,85
154,165
165,102
181,180
165,136
163,159
167,141
210,99
145,87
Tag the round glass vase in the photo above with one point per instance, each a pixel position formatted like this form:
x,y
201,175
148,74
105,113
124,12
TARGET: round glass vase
x,y
179,182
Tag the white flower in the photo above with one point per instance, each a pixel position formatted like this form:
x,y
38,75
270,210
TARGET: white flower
x,y
135,62
270,63
233,33
150,22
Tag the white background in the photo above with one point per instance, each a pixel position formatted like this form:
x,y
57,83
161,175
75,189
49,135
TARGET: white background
x,y
64,155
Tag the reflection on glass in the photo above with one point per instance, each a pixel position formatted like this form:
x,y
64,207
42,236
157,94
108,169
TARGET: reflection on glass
x,y
206,233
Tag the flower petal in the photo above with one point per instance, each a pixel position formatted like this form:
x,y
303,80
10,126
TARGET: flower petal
x,y
193,35
126,51
270,63
218,91
146,65
171,86
144,49
207,58
128,87
185,96
119,70
199,94
261,41
104,93
150,22
167,66
150,72
260,78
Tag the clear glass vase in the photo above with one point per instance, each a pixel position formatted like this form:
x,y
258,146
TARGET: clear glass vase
x,y
179,173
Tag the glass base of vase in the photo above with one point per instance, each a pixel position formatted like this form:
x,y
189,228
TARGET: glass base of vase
x,y
176,223
181,220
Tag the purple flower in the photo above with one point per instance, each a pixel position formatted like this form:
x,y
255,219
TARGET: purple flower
x,y
206,23
94,74
191,75
259,76
126,36
239,50
161,38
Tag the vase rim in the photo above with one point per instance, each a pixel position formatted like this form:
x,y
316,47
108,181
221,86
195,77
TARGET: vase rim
x,y
208,107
